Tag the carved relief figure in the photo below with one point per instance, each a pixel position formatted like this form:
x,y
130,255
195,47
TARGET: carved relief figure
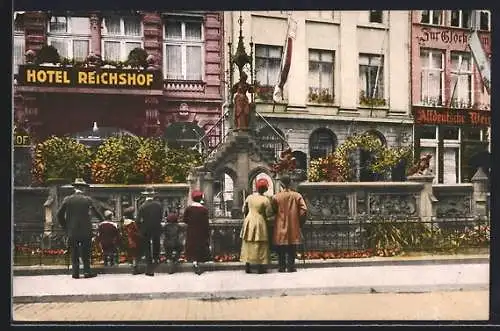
x,y
241,103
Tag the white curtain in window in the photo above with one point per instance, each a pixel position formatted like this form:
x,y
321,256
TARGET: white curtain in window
x,y
112,51
18,53
61,45
431,85
112,25
174,62
173,30
80,49
193,31
132,26
313,77
462,88
450,165
80,25
193,63
261,72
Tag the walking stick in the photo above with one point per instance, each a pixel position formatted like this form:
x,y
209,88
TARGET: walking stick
x,y
303,247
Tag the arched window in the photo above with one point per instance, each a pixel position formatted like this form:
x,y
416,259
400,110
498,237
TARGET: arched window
x,y
301,159
321,143
378,135
270,142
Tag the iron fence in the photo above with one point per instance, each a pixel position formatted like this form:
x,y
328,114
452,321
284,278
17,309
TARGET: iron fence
x,y
347,237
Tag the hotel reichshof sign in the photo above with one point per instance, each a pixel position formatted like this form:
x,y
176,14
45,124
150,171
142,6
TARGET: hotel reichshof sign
x,y
30,75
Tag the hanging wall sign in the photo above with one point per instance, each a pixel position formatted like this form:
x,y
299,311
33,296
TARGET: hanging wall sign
x,y
30,75
455,117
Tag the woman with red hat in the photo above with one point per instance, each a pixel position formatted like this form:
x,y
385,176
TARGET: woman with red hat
x,y
197,233
255,238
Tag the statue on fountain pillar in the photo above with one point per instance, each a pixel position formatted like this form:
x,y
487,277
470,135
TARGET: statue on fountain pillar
x,y
241,102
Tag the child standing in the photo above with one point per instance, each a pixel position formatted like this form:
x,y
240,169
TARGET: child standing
x,y
109,237
172,241
133,238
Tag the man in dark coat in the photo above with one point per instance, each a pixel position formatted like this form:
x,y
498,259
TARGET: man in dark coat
x,y
74,217
291,211
149,217
197,234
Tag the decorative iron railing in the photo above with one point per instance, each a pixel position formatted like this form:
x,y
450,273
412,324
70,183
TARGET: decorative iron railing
x,y
333,238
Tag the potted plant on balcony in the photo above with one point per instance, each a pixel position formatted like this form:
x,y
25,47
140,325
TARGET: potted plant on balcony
x,y
263,93
47,56
138,58
368,101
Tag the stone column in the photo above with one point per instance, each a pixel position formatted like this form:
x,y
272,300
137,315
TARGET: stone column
x,y
242,169
95,34
480,203
208,192
193,184
426,200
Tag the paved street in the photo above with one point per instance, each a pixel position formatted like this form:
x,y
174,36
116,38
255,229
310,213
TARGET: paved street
x,y
467,305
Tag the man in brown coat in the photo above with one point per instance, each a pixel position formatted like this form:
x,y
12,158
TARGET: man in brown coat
x,y
290,210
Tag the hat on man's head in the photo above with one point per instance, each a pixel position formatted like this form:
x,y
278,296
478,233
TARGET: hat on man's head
x,y
79,182
262,183
197,195
108,213
150,190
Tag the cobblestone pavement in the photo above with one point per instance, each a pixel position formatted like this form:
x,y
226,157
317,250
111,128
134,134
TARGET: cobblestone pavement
x,y
466,305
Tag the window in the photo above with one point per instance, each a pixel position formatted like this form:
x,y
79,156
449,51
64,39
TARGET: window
x,y
485,20
18,43
120,35
427,132
371,76
461,18
375,16
70,36
267,64
183,49
321,64
321,14
432,77
321,143
461,80
432,17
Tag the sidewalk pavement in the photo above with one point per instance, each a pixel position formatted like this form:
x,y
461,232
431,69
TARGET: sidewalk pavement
x,y
236,284
219,266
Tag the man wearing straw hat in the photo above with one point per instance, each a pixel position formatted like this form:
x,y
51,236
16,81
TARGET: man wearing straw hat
x,y
74,217
149,217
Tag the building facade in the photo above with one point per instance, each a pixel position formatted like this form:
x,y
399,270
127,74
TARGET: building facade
x,y
185,48
349,74
449,100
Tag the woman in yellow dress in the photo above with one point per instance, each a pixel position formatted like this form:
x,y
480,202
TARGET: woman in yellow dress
x,y
255,239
